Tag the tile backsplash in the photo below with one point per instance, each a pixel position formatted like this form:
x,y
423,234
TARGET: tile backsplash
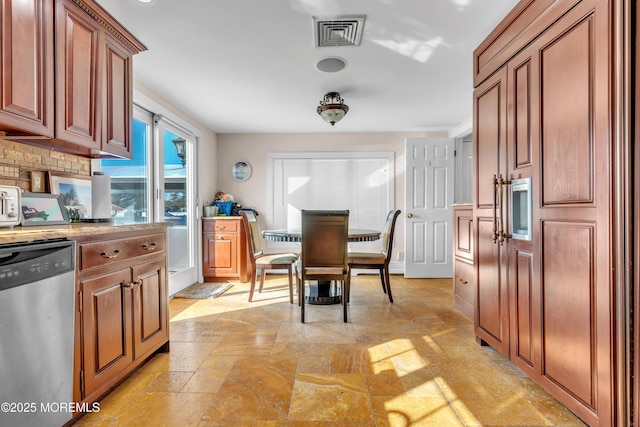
x,y
18,160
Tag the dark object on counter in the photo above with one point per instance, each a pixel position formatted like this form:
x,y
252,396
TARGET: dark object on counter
x,y
255,212
95,220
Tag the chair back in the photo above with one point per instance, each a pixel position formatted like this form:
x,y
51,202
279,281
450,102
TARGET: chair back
x,y
254,237
325,236
387,234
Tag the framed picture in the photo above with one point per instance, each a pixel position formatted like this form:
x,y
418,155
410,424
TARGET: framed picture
x,y
74,190
43,209
241,171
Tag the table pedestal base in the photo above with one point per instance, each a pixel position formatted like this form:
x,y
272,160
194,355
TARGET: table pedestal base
x,y
323,292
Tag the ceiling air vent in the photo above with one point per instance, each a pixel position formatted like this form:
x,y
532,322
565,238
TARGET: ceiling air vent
x,y
339,31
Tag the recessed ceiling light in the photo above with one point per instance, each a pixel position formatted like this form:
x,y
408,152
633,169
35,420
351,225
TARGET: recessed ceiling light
x,y
145,1
331,64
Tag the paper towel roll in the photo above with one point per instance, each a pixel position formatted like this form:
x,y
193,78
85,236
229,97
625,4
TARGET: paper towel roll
x,y
100,196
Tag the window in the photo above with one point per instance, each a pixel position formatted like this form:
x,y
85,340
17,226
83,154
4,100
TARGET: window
x,y
363,183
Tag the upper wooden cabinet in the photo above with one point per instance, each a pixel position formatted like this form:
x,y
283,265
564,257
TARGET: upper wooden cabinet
x,y
26,66
84,106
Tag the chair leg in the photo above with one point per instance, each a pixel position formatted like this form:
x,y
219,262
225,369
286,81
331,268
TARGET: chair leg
x,y
290,284
301,299
345,297
386,276
253,284
263,273
384,286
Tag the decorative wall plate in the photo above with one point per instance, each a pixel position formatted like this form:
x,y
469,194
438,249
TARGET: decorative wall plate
x,y
241,171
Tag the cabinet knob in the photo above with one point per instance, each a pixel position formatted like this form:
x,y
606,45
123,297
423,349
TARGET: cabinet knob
x,y
149,247
137,283
128,285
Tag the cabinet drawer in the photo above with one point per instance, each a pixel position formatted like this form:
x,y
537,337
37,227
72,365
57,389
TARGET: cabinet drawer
x,y
463,283
222,226
463,233
96,254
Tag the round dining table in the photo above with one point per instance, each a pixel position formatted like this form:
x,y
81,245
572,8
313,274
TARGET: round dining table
x,y
323,293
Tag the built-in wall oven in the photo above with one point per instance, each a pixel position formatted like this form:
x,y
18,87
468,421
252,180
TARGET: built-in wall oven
x,y
36,333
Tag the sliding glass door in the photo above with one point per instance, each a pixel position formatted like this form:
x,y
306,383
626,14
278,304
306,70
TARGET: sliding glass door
x,y
158,185
177,205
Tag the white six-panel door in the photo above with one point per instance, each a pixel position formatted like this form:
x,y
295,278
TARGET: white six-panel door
x,y
429,187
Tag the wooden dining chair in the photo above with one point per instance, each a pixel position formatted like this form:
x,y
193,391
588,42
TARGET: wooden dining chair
x,y
261,261
377,260
325,235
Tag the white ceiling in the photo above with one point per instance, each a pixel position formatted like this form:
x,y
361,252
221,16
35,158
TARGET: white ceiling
x,y
249,65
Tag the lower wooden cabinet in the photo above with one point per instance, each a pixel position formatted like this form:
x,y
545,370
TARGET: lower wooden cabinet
x,y
122,310
224,249
463,271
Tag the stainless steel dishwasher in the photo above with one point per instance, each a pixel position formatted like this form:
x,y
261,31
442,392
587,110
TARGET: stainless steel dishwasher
x,y
36,333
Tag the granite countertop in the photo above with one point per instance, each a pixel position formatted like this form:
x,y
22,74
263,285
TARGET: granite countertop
x,y
69,231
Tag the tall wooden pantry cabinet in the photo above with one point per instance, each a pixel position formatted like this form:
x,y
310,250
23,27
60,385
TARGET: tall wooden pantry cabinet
x,y
550,123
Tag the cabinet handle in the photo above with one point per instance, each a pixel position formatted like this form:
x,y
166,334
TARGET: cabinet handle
x,y
495,209
149,247
128,286
137,283
115,254
501,234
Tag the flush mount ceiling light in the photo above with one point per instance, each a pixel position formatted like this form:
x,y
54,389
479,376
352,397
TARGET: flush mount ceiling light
x,y
145,1
332,108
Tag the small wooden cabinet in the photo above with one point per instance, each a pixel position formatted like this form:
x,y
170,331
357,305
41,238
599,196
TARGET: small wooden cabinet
x,y
224,249
122,311
76,94
463,273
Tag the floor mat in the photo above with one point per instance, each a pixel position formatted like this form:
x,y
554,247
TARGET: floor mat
x,y
204,290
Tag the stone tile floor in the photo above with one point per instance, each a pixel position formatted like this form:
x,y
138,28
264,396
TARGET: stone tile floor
x,y
411,363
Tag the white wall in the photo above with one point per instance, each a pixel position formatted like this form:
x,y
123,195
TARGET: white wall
x,y
253,148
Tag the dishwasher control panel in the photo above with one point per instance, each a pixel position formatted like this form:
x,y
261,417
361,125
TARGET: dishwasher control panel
x,y
9,206
27,263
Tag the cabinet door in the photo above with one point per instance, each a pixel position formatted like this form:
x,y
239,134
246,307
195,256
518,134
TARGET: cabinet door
x,y
490,155
524,286
150,322
574,213
118,99
221,255
106,328
77,76
26,74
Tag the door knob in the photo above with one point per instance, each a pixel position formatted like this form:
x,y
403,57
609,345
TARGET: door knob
x,y
409,215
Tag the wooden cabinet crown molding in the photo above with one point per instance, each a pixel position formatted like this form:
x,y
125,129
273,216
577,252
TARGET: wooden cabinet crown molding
x,y
524,23
111,25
